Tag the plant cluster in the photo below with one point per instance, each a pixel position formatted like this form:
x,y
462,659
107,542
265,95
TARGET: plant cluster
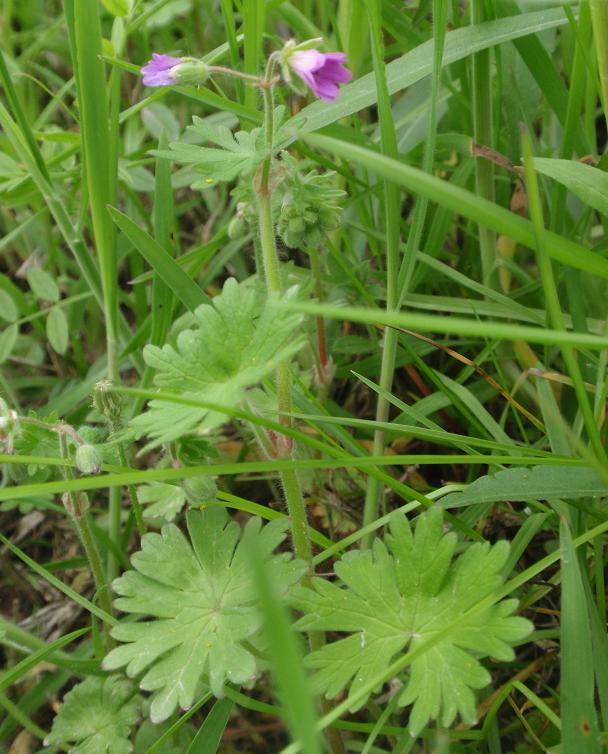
x,y
303,406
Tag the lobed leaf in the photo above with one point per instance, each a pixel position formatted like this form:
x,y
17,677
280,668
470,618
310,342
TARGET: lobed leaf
x,y
239,341
199,600
96,717
236,154
400,595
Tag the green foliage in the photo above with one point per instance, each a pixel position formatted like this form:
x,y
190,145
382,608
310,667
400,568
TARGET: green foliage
x,y
238,341
589,183
234,154
162,500
57,330
105,249
536,483
43,285
203,618
150,733
402,594
96,717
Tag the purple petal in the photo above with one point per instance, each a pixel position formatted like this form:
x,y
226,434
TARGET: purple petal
x,y
306,61
334,70
157,72
322,72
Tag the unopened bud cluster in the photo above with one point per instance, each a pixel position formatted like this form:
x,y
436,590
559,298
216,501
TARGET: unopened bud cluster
x,y
305,206
88,459
107,402
310,207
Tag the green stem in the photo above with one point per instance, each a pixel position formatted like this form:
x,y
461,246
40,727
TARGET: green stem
x,y
76,504
483,132
20,717
137,511
270,260
315,268
92,553
256,80
392,195
599,16
554,311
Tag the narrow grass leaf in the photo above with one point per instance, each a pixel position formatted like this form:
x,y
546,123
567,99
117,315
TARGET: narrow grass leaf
x,y
209,735
184,288
418,63
451,325
579,717
589,183
64,588
28,663
537,483
464,202
286,656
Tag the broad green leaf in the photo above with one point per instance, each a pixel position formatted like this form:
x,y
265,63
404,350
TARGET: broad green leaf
x,y
238,341
42,284
36,440
536,483
117,7
158,118
237,154
57,330
161,500
165,12
8,308
397,596
590,184
8,338
200,605
96,717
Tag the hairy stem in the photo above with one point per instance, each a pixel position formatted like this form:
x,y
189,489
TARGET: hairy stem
x,y
270,260
76,504
392,200
136,505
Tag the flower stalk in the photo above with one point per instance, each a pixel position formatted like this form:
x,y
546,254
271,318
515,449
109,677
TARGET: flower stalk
x,y
270,261
76,505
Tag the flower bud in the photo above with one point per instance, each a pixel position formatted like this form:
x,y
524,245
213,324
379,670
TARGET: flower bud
x,y
165,70
88,459
190,72
75,503
107,402
200,489
7,420
236,228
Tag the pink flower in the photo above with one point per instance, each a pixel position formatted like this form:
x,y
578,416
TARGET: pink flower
x,y
321,71
157,72
165,70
